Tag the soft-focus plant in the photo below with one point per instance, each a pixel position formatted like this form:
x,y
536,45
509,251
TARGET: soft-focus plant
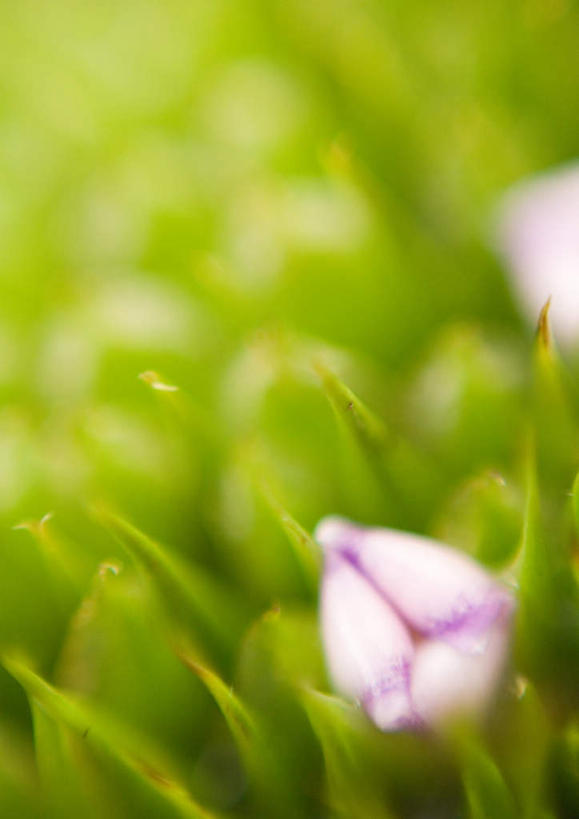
x,y
244,284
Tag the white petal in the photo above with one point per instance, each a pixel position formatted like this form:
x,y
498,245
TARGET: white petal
x,y
539,237
438,591
368,649
447,682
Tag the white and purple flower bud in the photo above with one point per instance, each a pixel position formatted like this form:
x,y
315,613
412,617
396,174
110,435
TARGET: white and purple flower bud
x,y
538,234
412,629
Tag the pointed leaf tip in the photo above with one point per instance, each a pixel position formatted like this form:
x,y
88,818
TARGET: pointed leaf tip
x,y
197,604
154,380
368,430
544,335
486,791
305,547
240,722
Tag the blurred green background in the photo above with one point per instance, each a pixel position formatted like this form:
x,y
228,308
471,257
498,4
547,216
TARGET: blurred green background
x,y
244,201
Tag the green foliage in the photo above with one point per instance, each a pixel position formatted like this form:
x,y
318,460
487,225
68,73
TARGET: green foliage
x,y
245,283
485,789
134,766
186,593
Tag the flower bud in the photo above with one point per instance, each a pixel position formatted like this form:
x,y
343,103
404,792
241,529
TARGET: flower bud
x,y
411,628
538,229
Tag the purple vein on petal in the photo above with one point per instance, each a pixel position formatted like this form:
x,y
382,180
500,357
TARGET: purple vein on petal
x,y
466,625
391,694
469,623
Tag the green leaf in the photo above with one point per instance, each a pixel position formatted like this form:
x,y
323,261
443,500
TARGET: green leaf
x,y
200,609
340,731
525,739
400,486
263,767
563,770
305,547
463,403
486,792
64,568
548,618
366,428
555,410
60,768
116,654
575,496
37,598
364,443
280,654
19,792
138,765
241,724
484,518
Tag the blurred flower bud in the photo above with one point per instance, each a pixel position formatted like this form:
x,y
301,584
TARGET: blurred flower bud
x,y
413,629
538,229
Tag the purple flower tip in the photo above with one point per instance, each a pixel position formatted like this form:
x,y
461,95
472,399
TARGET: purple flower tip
x,y
412,629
